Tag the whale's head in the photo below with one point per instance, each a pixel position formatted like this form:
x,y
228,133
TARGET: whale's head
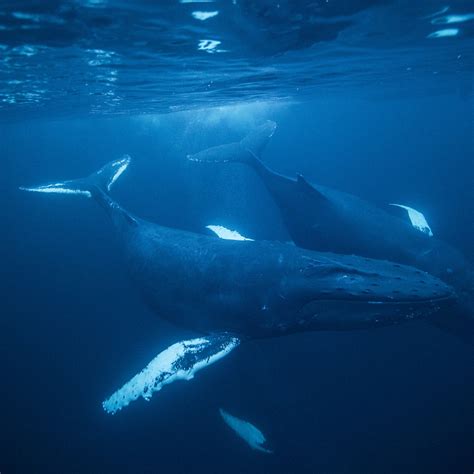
x,y
329,291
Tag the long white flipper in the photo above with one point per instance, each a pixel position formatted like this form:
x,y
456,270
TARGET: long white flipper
x,y
245,430
179,362
417,219
225,233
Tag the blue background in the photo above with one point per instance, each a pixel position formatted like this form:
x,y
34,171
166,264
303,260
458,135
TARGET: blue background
x,y
73,329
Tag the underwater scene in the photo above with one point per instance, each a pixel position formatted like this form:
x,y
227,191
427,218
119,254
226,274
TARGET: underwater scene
x,y
237,236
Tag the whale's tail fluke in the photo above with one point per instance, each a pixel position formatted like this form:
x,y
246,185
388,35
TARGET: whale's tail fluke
x,y
101,180
97,186
256,141
245,151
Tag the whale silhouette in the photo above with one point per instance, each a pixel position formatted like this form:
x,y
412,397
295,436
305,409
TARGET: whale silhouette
x,y
324,219
246,430
230,291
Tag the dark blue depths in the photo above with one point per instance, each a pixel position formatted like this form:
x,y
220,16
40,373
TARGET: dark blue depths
x,y
397,399
368,101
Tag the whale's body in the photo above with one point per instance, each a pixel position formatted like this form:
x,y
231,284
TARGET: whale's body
x,y
230,291
324,219
257,289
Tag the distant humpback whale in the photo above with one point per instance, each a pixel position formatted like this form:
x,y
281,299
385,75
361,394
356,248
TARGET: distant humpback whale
x,y
324,219
230,291
245,430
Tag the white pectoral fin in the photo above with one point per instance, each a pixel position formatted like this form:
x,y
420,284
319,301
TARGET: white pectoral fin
x,y
178,362
417,219
245,430
225,233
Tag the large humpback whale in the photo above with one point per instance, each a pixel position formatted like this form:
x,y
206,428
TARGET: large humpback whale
x,y
325,219
231,291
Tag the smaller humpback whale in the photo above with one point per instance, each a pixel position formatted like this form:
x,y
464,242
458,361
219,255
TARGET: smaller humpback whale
x,y
245,430
229,291
328,220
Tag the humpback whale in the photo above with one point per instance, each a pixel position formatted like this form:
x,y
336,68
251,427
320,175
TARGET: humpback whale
x,y
324,219
245,430
230,291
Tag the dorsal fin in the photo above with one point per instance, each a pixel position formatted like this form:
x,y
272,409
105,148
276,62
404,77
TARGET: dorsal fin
x,y
306,187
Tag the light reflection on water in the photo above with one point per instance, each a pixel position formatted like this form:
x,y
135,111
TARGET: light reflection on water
x,y
107,57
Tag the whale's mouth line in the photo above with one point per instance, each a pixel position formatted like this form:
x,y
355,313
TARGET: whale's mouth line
x,y
384,302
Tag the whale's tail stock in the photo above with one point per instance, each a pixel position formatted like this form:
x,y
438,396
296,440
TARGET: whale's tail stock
x,y
99,181
246,151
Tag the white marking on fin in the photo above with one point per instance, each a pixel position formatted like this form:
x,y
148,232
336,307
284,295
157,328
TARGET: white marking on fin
x,y
123,165
226,234
245,430
54,188
179,362
417,219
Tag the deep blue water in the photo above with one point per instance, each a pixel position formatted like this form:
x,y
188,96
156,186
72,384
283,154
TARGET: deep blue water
x,y
366,104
